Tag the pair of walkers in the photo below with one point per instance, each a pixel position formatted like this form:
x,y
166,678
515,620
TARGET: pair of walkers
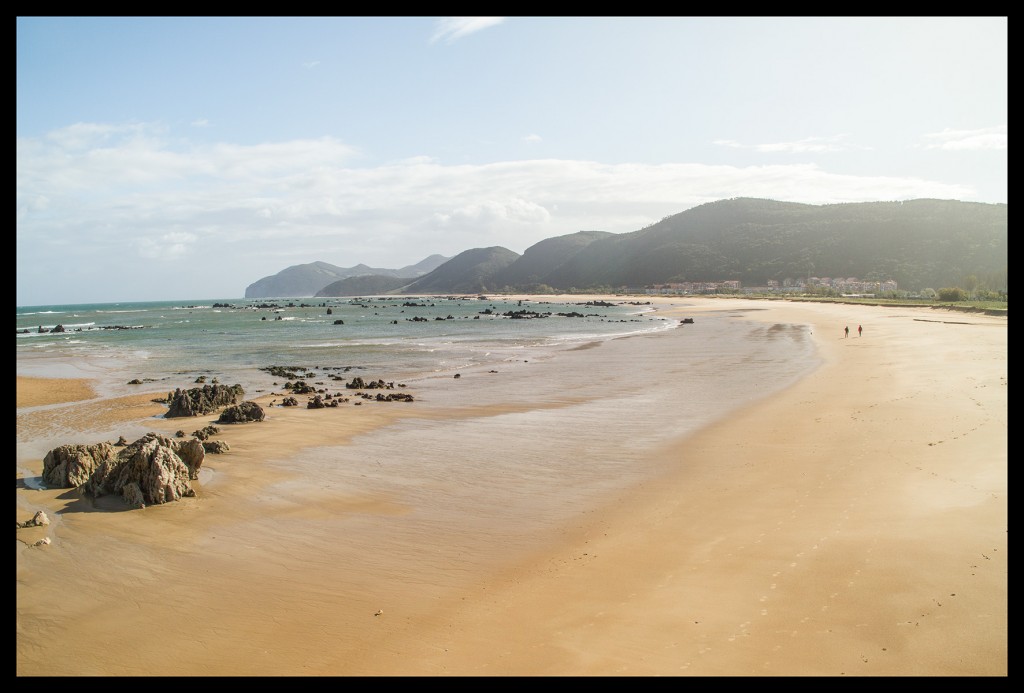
x,y
860,330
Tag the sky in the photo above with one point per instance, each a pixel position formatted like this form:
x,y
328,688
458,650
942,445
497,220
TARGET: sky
x,y
182,158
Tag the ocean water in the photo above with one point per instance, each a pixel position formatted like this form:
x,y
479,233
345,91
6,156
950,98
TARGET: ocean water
x,y
234,340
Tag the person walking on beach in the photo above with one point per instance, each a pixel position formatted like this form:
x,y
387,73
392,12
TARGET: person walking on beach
x,y
860,330
847,330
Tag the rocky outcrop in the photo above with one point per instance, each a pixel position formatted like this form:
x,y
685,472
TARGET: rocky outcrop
x,y
70,466
38,520
202,400
242,413
192,452
152,470
215,447
206,432
358,383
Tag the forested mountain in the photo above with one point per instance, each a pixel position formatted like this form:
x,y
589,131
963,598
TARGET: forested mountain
x,y
918,243
541,261
367,285
308,279
469,272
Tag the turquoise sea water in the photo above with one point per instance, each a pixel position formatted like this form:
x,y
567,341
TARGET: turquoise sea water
x,y
382,337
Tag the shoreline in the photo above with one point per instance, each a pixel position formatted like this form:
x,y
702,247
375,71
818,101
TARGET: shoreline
x,y
811,534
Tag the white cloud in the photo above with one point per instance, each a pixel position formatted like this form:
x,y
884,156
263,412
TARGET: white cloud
x,y
169,246
492,212
451,29
311,64
200,123
532,138
984,138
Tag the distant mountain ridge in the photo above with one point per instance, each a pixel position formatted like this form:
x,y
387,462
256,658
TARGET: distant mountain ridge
x,y
306,280
918,243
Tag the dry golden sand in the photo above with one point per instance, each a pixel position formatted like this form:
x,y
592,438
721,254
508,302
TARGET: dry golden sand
x,y
855,524
34,392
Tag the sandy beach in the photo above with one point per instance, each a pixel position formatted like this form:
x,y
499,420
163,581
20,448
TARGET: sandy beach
x,y
853,524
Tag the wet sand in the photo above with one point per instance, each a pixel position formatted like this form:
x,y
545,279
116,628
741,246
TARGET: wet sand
x,y
854,524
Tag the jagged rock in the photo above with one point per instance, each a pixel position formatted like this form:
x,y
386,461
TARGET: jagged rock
x,y
202,400
300,387
205,432
192,452
289,402
394,397
134,381
215,446
70,466
132,495
121,440
149,471
359,384
316,403
38,520
242,413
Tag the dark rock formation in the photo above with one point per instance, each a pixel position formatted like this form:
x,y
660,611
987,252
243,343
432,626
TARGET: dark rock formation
x,y
394,397
202,400
358,383
242,413
205,432
215,446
